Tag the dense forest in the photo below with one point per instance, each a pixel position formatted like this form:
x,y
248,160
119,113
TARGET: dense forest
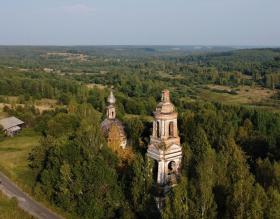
x,y
231,152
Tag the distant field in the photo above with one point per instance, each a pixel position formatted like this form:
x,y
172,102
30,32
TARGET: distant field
x,y
245,95
168,75
41,105
67,56
11,99
45,104
99,86
10,210
3,114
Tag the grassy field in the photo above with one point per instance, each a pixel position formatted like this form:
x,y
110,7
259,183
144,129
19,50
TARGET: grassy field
x,y
13,162
41,105
14,153
10,210
3,114
99,86
46,104
242,95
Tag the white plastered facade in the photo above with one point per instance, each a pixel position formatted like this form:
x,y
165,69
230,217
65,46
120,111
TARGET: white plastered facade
x,y
164,144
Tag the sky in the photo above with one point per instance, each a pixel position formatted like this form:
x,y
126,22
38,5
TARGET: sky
x,y
141,22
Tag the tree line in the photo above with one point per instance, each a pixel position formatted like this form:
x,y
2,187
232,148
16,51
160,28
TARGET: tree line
x,y
230,167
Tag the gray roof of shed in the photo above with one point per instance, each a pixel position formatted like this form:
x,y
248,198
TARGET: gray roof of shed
x,y
10,122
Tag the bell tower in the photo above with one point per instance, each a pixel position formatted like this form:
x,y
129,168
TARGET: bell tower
x,y
164,147
112,128
111,109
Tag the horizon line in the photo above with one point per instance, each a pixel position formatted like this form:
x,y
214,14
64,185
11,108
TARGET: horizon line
x,y
140,45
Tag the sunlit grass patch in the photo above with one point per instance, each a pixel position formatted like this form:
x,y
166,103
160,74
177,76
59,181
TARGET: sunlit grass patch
x,y
14,153
10,210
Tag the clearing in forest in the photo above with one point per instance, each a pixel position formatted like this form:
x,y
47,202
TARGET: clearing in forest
x,y
237,95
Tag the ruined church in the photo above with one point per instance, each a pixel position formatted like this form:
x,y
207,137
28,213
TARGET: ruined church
x,y
164,149
112,124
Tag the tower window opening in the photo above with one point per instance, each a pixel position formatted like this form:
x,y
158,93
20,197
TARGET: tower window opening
x,y
155,170
171,129
158,129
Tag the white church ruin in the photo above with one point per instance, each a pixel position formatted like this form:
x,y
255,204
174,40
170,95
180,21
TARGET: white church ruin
x,y
164,147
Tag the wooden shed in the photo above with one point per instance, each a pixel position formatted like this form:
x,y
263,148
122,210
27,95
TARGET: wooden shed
x,y
11,125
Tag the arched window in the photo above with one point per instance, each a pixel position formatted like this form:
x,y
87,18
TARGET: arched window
x,y
171,129
155,170
158,130
112,113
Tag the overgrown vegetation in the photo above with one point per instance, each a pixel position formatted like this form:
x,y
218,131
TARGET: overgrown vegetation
x,y
231,148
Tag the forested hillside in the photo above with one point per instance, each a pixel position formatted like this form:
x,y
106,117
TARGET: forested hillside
x,y
229,123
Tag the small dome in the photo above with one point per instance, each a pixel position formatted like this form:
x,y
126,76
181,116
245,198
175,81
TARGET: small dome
x,y
111,99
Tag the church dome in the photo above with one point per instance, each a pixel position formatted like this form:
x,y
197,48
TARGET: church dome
x,y
107,124
107,128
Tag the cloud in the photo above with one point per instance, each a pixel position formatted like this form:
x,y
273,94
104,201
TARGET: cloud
x,y
78,9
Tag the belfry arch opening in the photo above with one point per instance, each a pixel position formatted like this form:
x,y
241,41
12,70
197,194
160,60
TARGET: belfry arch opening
x,y
171,129
171,166
155,170
158,129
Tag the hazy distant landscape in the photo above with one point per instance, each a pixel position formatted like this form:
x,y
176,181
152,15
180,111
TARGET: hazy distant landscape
x,y
196,70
